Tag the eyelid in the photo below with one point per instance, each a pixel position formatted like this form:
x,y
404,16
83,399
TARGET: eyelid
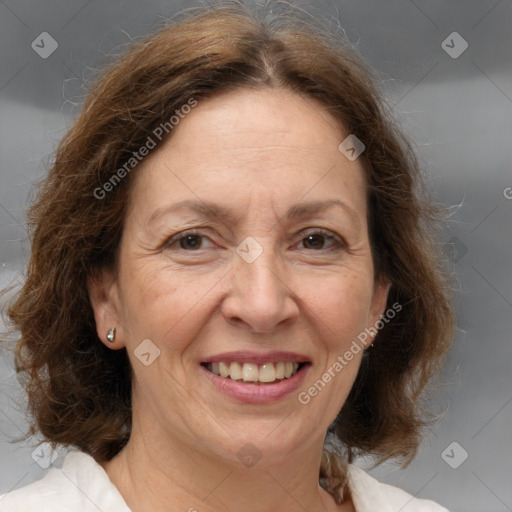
x,y
182,234
328,234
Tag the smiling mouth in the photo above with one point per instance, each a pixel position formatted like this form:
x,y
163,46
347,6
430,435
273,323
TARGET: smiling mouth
x,y
252,373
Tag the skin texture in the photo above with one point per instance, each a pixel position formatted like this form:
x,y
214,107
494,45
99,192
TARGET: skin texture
x,y
257,153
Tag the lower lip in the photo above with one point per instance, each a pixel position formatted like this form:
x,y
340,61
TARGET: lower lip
x,y
257,393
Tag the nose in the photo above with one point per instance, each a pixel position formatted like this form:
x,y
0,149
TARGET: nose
x,y
260,296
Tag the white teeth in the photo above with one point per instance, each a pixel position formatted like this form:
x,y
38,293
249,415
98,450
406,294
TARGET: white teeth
x,y
251,372
235,371
224,370
280,371
267,373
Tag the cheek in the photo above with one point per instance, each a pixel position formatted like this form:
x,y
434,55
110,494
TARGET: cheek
x,y
340,306
164,304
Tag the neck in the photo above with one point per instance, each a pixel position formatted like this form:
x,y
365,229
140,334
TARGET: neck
x,y
156,473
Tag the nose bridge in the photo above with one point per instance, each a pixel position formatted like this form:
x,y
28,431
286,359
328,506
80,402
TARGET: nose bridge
x,y
263,273
259,296
258,267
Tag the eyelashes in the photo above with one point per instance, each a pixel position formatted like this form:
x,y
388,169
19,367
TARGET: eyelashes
x,y
330,238
190,241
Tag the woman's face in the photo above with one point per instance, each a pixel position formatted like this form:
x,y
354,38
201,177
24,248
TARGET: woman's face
x,y
245,246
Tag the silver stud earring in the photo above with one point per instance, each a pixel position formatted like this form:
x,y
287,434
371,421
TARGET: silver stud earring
x,y
111,335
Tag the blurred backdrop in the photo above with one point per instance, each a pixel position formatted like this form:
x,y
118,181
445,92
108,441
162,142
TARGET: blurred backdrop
x,y
446,68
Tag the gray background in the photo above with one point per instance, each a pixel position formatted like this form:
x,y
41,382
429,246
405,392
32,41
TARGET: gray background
x,y
458,112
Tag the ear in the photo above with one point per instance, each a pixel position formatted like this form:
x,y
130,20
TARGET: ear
x,y
104,297
379,301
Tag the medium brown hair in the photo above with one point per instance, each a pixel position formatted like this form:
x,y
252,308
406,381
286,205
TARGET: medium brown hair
x,y
79,390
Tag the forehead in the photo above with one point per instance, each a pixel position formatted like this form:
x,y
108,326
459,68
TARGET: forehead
x,y
250,140
261,119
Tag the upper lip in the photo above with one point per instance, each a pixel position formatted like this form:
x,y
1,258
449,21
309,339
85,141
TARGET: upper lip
x,y
242,356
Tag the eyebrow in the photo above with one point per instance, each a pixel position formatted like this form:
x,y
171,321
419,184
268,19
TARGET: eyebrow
x,y
212,210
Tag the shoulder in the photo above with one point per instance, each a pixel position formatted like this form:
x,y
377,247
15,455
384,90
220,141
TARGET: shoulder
x,y
368,494
80,486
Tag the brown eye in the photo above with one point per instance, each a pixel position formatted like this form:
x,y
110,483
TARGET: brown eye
x,y
319,240
314,241
190,242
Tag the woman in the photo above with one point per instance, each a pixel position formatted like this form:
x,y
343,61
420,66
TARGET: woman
x,y
232,290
